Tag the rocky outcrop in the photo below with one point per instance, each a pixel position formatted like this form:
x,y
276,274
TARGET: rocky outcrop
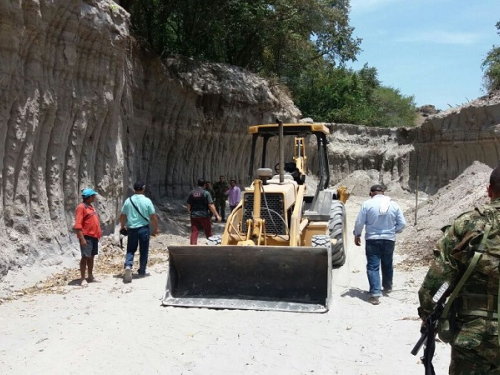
x,y
81,105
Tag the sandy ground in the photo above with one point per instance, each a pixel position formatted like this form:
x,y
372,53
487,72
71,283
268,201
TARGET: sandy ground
x,y
111,327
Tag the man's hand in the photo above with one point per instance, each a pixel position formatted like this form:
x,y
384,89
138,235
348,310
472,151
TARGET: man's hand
x,y
219,219
357,241
83,241
156,232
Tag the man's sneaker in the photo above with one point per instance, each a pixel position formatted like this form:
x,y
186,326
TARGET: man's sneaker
x,y
374,300
128,275
387,290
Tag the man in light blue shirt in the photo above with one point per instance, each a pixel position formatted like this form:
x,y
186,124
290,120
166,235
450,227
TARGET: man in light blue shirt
x,y
137,212
382,218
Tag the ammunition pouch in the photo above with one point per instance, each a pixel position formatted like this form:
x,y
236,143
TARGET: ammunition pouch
x,y
466,305
447,325
445,330
479,305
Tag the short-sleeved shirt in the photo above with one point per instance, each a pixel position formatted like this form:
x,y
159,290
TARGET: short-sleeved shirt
x,y
199,200
144,205
87,221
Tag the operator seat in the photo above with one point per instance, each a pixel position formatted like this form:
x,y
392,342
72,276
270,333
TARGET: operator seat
x,y
291,167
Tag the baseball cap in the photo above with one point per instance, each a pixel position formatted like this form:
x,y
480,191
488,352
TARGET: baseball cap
x,y
377,188
86,193
139,185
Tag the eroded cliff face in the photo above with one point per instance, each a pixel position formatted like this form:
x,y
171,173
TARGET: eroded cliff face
x,y
429,155
81,105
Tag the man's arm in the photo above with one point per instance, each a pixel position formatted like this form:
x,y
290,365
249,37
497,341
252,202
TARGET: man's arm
x,y
188,208
123,220
358,226
81,238
79,224
443,268
154,221
400,220
211,206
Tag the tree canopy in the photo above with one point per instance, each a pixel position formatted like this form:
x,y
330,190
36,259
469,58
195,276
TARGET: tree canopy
x,y
491,67
304,44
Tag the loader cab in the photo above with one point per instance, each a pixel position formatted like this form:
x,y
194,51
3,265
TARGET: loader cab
x,y
264,151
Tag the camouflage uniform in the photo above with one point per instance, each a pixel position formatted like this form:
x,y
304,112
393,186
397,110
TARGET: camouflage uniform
x,y
211,191
475,347
220,198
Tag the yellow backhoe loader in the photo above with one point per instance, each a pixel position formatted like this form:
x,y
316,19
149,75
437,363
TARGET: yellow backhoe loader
x,y
279,244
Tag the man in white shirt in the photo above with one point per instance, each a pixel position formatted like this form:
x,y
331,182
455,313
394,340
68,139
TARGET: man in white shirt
x,y
382,218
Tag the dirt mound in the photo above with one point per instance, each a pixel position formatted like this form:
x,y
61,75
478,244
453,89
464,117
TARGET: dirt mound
x,y
462,194
359,182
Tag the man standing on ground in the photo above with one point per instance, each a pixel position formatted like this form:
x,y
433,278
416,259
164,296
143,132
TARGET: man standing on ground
x,y
234,194
88,231
220,188
199,203
208,187
461,250
382,219
137,212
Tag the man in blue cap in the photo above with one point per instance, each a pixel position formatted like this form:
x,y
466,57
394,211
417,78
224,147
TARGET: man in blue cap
x,y
88,231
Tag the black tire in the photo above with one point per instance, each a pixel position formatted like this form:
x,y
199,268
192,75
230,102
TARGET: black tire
x,y
337,257
214,240
337,231
341,260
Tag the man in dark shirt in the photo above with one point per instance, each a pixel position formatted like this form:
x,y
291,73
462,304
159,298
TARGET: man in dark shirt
x,y
199,203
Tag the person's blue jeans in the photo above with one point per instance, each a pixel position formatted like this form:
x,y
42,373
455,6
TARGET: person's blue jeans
x,y
138,237
379,254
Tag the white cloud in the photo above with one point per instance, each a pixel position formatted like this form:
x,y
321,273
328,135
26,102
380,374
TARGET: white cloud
x,y
441,37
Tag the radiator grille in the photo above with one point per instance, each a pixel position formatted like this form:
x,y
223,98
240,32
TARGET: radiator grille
x,y
274,223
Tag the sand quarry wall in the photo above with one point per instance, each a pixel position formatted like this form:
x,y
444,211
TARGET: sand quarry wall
x,y
82,105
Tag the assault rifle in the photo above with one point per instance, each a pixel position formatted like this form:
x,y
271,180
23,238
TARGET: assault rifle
x,y
428,329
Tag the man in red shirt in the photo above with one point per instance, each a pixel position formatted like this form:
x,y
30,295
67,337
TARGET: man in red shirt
x,y
88,231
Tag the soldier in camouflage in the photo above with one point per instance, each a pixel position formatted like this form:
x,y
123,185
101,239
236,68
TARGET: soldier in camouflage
x,y
474,342
220,188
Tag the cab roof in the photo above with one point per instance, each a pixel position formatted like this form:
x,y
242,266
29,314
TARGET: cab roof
x,y
289,129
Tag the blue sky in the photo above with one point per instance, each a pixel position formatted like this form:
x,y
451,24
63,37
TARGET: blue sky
x,y
432,49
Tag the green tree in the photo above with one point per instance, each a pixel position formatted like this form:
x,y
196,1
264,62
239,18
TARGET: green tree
x,y
491,67
346,96
302,43
273,37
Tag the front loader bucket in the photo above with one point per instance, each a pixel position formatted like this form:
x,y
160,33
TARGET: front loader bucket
x,y
249,277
